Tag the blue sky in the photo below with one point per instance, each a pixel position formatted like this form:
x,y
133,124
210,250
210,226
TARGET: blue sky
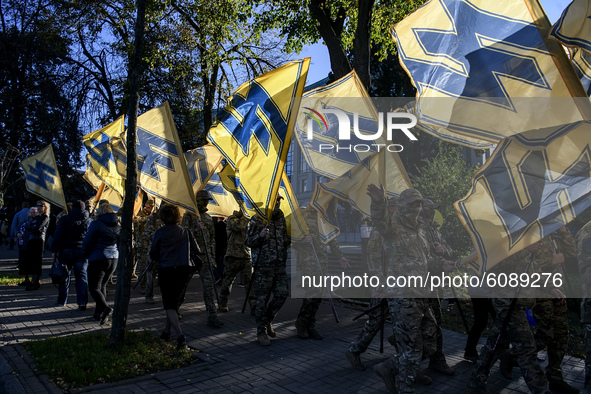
x,y
320,63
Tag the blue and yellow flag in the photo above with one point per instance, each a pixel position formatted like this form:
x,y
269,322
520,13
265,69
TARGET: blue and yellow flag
x,y
223,203
254,131
378,169
533,184
43,178
202,163
573,28
582,64
483,68
102,162
162,168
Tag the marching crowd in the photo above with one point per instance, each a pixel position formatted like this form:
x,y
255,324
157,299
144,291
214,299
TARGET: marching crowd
x,y
404,240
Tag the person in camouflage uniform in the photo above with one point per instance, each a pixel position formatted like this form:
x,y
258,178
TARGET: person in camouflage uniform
x,y
583,242
140,249
306,321
551,314
442,252
152,224
518,332
204,232
237,258
414,323
372,326
269,243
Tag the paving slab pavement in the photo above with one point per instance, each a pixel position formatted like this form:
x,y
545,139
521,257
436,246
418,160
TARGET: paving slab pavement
x,y
230,359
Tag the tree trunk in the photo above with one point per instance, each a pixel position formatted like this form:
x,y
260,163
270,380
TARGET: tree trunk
x,y
125,264
331,34
362,43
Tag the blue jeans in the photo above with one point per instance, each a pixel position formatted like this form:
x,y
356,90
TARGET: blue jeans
x,y
80,274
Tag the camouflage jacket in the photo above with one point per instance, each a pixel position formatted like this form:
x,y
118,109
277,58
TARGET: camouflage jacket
x,y
152,224
583,242
270,251
410,251
305,251
139,224
236,228
515,264
543,259
191,221
433,236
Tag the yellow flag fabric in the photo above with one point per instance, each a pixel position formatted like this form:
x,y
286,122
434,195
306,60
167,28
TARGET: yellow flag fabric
x,y
162,168
102,162
318,126
532,185
483,68
223,203
296,224
43,178
202,163
378,169
582,64
254,132
573,28
114,198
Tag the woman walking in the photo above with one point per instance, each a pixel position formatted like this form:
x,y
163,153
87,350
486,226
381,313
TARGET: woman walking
x,y
175,249
100,247
35,243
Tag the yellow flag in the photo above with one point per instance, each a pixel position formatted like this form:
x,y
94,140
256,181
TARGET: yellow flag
x,y
254,132
202,163
223,203
101,159
162,168
485,69
324,113
352,188
573,28
532,185
43,178
295,221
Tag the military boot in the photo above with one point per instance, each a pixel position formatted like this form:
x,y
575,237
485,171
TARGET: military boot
x,y
441,366
314,334
384,372
423,379
301,329
223,305
263,339
355,360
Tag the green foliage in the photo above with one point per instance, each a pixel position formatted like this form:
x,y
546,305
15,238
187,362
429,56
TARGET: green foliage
x,y
9,280
446,178
84,360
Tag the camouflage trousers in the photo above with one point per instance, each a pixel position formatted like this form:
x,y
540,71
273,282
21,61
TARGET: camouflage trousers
x,y
414,335
141,264
267,281
552,334
438,356
232,267
208,284
371,327
149,279
520,336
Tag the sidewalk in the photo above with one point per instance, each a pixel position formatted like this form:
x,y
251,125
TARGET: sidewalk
x,y
230,359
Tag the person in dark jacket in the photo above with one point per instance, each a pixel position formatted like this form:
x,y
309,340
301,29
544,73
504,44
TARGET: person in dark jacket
x,y
100,248
175,249
35,242
67,247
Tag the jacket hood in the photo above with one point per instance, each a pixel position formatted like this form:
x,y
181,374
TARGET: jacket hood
x,y
110,219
